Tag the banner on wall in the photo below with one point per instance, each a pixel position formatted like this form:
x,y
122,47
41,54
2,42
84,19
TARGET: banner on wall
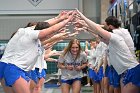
x,y
38,6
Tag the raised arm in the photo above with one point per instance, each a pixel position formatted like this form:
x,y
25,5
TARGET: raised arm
x,y
43,33
95,27
63,15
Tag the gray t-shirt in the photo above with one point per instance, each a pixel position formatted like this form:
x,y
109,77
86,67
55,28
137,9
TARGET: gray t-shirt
x,y
68,60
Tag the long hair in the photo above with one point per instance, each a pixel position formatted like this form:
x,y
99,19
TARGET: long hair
x,y
68,48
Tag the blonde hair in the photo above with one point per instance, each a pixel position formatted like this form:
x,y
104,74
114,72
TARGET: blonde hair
x,y
68,48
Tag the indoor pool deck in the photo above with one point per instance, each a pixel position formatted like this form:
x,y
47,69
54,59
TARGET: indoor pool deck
x,y
57,90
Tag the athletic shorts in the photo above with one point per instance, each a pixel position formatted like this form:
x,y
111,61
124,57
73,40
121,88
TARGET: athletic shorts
x,y
70,82
132,75
2,67
42,74
12,73
91,73
33,76
106,74
116,79
110,76
100,74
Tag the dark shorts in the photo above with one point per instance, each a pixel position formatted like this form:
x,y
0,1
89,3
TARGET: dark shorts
x,y
70,82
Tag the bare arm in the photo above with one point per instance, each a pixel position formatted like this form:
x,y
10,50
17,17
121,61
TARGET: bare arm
x,y
63,15
43,33
61,66
51,60
96,28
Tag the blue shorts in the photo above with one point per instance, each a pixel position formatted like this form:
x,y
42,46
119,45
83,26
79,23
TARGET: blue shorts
x,y
2,67
132,75
42,74
114,78
33,76
107,71
70,82
91,73
98,76
110,76
12,73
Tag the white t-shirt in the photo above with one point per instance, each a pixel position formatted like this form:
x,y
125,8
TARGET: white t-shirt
x,y
120,56
26,50
100,50
91,57
127,38
10,47
41,63
68,60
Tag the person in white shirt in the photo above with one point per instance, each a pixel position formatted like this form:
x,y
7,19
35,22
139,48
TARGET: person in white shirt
x,y
25,55
120,56
91,55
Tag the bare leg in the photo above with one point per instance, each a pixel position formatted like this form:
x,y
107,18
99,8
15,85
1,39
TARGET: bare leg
x,y
130,88
76,86
38,87
32,86
106,85
111,89
21,86
121,83
98,87
65,88
6,88
94,87
117,90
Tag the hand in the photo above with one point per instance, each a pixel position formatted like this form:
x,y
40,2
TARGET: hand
x,y
69,67
80,29
80,23
70,16
80,14
73,34
78,68
64,14
62,30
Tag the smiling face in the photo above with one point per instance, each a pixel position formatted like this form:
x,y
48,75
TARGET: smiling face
x,y
74,49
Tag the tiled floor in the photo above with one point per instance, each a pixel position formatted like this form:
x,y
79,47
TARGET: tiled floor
x,y
57,90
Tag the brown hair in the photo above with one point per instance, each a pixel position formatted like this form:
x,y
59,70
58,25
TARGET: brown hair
x,y
68,48
42,25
